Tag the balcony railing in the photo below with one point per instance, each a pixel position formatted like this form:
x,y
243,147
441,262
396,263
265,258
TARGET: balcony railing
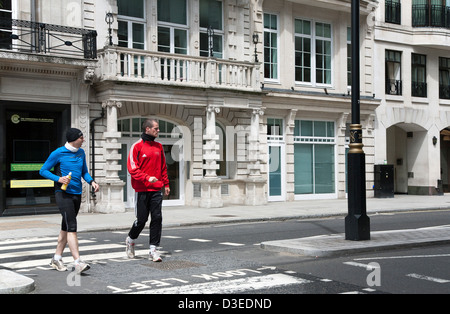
x,y
425,15
444,91
419,89
393,87
41,38
135,65
393,12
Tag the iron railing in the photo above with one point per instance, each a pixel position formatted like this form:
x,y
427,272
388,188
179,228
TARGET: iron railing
x,y
393,87
419,89
35,37
425,15
444,91
393,12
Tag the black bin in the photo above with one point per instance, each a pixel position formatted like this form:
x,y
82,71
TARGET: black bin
x,y
384,181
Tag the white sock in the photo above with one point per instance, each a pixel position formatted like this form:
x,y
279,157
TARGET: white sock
x,y
57,257
77,261
130,240
152,248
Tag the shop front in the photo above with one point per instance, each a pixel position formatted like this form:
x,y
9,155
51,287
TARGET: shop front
x,y
30,132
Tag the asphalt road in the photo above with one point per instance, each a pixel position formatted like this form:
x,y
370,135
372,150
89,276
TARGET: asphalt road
x,y
227,259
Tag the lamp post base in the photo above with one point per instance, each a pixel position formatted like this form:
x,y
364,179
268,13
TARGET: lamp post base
x,y
357,223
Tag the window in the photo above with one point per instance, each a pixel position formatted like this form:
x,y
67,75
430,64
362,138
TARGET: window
x,y
432,13
393,11
419,75
5,31
172,26
444,78
211,18
132,127
131,20
303,51
274,129
314,157
270,46
313,52
393,72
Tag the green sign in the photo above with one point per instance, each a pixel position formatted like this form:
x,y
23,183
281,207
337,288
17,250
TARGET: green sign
x,y
26,167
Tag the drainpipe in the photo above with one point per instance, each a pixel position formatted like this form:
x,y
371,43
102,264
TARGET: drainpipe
x,y
92,130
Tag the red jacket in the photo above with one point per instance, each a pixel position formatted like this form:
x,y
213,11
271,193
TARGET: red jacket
x,y
145,160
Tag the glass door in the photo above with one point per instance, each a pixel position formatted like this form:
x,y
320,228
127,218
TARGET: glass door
x,y
30,138
276,172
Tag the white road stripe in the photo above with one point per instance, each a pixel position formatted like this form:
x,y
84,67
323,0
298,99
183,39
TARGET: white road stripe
x,y
52,250
437,280
200,240
35,245
232,244
360,265
86,258
27,240
231,286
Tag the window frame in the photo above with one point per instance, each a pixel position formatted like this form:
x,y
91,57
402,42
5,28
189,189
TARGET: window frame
x,y
270,77
218,36
314,57
130,21
173,28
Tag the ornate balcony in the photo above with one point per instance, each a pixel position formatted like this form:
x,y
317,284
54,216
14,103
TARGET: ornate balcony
x,y
53,40
141,66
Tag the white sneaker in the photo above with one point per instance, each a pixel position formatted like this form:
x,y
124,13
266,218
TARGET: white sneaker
x,y
154,256
130,248
58,265
81,267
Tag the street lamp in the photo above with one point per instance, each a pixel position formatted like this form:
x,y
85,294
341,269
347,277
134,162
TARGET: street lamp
x,y
255,42
357,223
109,19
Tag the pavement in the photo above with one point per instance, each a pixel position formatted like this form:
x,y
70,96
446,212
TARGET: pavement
x,y
323,245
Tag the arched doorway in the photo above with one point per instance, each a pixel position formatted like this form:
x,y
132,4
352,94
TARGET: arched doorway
x,y
407,150
445,159
171,139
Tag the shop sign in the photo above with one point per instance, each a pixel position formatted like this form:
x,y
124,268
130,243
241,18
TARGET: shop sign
x,y
18,184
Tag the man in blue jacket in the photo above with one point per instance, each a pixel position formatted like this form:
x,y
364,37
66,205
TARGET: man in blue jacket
x,y
68,158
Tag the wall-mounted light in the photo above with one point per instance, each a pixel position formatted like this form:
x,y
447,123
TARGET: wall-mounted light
x,y
109,18
255,42
434,140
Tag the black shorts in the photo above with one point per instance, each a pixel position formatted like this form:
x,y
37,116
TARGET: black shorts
x,y
69,205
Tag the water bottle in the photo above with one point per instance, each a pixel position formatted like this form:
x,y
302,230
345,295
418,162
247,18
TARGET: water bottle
x,y
64,186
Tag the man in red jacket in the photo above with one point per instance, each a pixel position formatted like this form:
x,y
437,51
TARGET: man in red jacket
x,y
148,170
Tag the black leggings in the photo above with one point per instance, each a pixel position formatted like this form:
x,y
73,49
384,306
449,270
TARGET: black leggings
x,y
69,205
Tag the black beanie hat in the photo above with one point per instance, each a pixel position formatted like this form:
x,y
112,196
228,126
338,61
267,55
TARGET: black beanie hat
x,y
73,134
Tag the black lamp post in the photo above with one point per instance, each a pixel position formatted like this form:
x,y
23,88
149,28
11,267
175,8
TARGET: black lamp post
x,y
255,42
357,223
109,18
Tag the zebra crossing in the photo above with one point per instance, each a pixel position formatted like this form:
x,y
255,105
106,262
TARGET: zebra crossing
x,y
32,256
35,252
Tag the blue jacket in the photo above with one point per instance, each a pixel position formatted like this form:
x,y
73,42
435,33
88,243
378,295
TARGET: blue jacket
x,y
64,162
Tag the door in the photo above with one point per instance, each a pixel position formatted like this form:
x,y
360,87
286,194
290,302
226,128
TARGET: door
x,y
30,137
276,172
175,172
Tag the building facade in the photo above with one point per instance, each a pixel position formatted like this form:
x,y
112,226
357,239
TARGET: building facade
x,y
412,49
252,96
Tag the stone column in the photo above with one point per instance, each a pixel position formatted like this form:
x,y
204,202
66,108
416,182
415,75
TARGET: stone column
x,y
111,187
211,194
210,146
254,184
